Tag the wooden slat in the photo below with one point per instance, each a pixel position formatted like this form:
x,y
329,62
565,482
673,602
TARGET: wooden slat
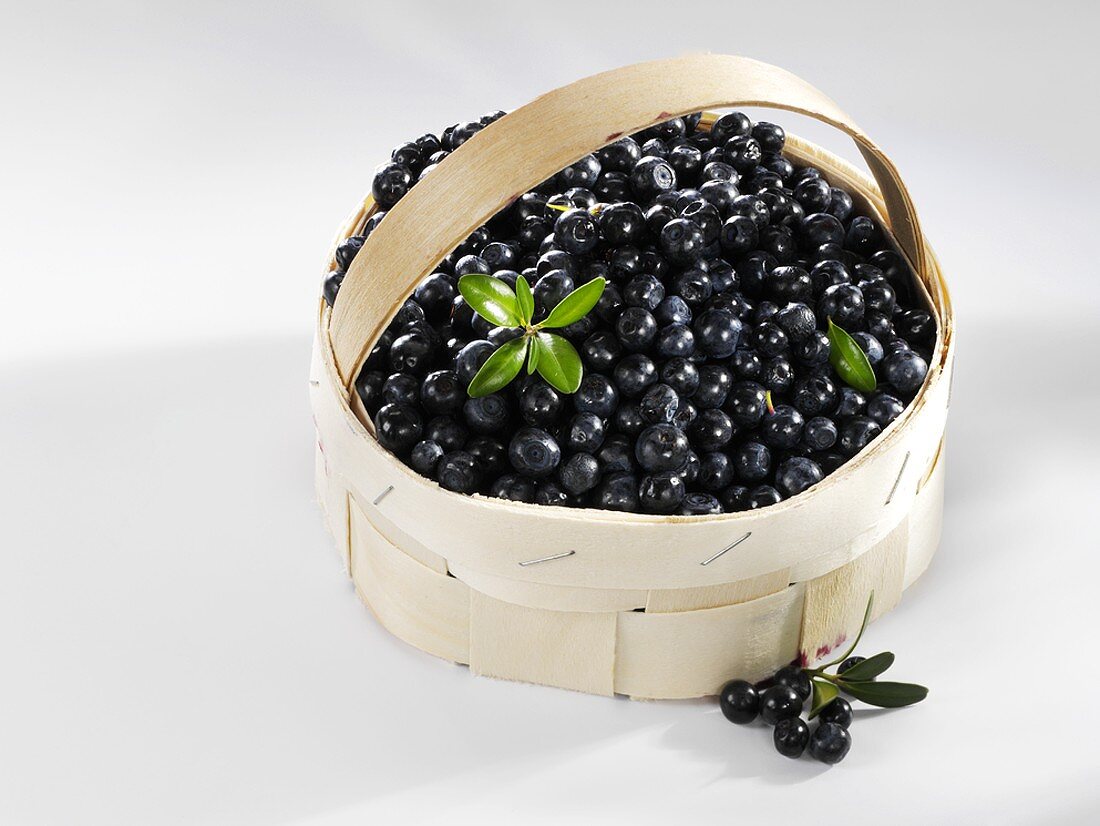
x,y
669,600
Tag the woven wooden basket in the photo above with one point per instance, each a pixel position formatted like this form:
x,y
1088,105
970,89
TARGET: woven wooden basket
x,y
599,601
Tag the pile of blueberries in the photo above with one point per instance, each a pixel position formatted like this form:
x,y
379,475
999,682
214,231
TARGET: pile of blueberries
x,y
707,381
779,702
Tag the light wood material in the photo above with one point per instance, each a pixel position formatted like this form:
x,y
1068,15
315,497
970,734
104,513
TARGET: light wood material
x,y
631,609
523,148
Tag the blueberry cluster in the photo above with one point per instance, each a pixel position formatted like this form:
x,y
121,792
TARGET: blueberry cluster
x,y
779,702
707,383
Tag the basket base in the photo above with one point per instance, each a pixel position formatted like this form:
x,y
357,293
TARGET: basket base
x,y
666,648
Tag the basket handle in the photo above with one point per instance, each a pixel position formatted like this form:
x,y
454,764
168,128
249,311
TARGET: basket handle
x,y
525,147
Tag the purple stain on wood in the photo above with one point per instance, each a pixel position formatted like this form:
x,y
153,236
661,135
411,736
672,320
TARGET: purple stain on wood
x,y
664,116
614,136
822,651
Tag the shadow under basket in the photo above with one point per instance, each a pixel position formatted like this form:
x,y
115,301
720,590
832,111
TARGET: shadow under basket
x,y
600,601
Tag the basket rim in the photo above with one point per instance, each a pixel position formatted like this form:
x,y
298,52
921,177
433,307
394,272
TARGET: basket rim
x,y
868,196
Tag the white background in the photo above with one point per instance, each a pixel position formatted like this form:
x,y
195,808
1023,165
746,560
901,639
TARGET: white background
x,y
177,641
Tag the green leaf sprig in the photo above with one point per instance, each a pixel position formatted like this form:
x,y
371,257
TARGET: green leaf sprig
x,y
849,360
859,681
555,359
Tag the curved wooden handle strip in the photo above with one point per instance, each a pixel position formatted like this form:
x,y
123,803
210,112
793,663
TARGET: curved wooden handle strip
x,y
525,147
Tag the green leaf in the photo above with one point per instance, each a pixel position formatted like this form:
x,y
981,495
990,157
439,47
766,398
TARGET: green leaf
x,y
884,694
862,628
559,363
534,350
501,367
824,693
849,360
869,668
490,298
525,302
576,305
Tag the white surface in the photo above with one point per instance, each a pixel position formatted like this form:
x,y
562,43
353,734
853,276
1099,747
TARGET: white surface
x,y
177,642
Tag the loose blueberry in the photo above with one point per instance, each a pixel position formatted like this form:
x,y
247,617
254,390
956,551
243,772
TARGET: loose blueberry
x,y
739,702
830,743
791,736
780,702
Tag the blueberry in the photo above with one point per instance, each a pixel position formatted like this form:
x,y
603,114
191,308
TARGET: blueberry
x,y
398,427
700,504
644,291
552,287
783,428
770,136
812,351
814,395
850,402
601,350
636,328
838,711
368,386
790,737
712,430
742,152
789,283
813,195
412,353
675,341
633,374
739,701
796,320
458,471
659,404
718,333
442,392
447,432
616,455
673,310
746,403
534,452
401,388
682,241
391,182
575,231
585,432
681,375
652,175
830,743
549,492
734,498
763,495
490,454
693,286
661,493
840,203
848,663
843,303
686,160
596,395
539,403
331,286
916,326
424,457
796,474
487,414
777,375
580,173
820,433
500,256
346,252
820,228
617,492
780,702
863,236
514,488
747,364
870,345
628,418
905,370
661,447
732,125
620,156
794,677
769,339
752,461
471,358
856,433
715,382
580,473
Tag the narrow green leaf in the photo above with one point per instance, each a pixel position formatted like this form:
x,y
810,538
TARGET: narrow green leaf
x,y
869,668
490,298
534,350
576,305
500,368
525,302
849,360
559,363
824,693
862,628
884,694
